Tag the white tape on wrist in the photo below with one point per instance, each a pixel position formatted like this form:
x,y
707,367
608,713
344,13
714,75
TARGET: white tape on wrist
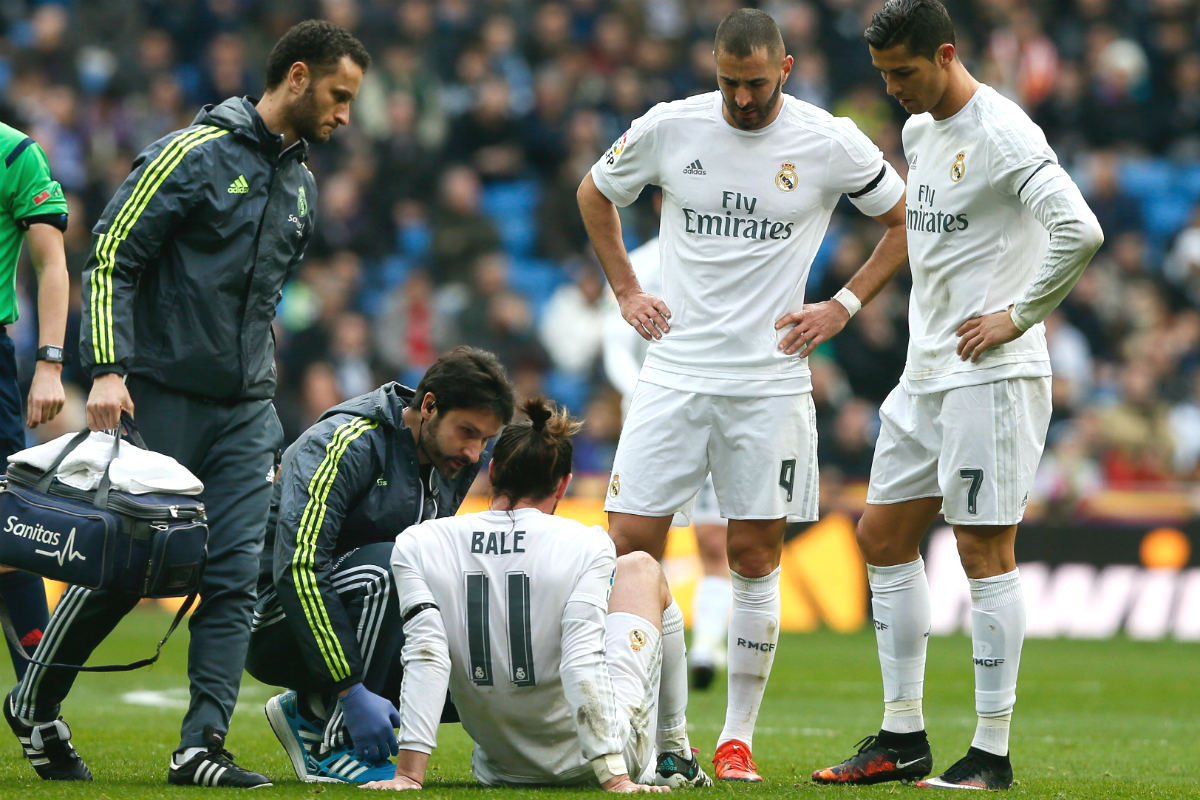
x,y
609,766
849,300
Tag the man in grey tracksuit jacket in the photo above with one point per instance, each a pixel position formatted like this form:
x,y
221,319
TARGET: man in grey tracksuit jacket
x,y
179,293
327,618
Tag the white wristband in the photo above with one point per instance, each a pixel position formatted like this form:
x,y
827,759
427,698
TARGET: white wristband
x,y
609,766
849,300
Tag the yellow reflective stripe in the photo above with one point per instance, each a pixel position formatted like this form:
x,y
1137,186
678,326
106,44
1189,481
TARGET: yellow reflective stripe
x,y
304,557
103,335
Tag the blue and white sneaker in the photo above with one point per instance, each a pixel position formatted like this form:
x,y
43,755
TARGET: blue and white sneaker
x,y
300,736
344,766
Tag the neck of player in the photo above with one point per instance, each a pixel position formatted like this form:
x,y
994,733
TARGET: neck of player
x,y
546,504
960,88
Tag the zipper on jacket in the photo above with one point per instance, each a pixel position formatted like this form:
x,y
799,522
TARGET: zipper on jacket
x,y
250,278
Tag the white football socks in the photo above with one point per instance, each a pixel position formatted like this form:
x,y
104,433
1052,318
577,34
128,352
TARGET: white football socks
x,y
900,608
997,633
672,736
710,621
753,635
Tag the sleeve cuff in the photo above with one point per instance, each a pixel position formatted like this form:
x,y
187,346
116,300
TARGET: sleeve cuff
x,y
1021,323
107,369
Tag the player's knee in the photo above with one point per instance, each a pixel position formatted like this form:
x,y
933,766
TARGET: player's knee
x,y
639,567
753,563
869,543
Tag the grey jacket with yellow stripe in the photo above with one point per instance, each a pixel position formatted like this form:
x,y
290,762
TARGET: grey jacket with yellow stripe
x,y
351,479
191,255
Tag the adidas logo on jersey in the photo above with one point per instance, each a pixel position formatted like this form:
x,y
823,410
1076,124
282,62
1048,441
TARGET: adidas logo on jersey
x,y
694,168
239,186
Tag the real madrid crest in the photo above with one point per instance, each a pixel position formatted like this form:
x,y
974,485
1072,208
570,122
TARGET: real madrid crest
x,y
786,179
637,640
959,167
614,487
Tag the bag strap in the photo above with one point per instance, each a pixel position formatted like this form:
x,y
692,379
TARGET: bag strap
x,y
47,477
127,429
10,633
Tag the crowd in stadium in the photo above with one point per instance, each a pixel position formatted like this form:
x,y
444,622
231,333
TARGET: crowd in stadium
x,y
448,214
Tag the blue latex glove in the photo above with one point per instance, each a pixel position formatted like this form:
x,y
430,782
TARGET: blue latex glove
x,y
372,722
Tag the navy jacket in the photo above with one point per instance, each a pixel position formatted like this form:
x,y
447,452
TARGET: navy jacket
x,y
191,255
351,479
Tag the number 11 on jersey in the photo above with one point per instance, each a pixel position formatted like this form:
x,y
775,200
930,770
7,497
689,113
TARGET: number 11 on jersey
x,y
520,635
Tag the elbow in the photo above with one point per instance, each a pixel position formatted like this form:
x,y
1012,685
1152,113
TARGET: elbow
x,y
586,191
1093,236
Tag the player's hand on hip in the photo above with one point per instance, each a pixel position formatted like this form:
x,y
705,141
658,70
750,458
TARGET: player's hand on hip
x,y
46,395
978,335
623,784
108,398
372,721
647,313
811,325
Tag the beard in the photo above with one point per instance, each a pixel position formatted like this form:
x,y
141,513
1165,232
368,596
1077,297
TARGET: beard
x,y
448,466
761,111
306,118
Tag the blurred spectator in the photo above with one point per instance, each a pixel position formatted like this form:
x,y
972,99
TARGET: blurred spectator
x,y
461,232
412,330
1116,209
1135,433
488,136
596,444
1069,474
573,321
849,444
1185,430
1071,360
1182,267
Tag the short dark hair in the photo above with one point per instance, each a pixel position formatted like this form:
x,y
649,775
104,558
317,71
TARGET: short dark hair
x,y
532,456
319,44
467,377
920,25
745,30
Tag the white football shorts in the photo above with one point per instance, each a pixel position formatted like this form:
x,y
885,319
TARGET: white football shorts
x,y
633,651
976,447
706,510
761,451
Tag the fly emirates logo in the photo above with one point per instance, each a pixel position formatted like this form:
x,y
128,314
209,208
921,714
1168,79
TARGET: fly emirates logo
x,y
924,219
737,221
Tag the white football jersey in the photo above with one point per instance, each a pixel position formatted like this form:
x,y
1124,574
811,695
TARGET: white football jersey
x,y
743,215
501,581
973,245
624,349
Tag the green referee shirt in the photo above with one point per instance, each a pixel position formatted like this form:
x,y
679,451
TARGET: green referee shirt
x,y
26,191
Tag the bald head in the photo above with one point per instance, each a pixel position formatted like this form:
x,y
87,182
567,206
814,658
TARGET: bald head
x,y
746,30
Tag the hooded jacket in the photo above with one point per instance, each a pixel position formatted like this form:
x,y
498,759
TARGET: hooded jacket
x,y
350,480
191,254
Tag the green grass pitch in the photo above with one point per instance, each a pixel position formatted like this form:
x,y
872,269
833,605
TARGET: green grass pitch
x,y
1094,720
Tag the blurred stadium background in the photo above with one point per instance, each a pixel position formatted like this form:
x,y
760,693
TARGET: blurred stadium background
x,y
447,215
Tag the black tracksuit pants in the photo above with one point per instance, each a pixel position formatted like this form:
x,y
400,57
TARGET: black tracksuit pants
x,y
232,448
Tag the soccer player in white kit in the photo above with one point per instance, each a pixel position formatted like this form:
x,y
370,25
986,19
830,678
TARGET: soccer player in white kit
x,y
556,682
750,177
624,352
997,235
